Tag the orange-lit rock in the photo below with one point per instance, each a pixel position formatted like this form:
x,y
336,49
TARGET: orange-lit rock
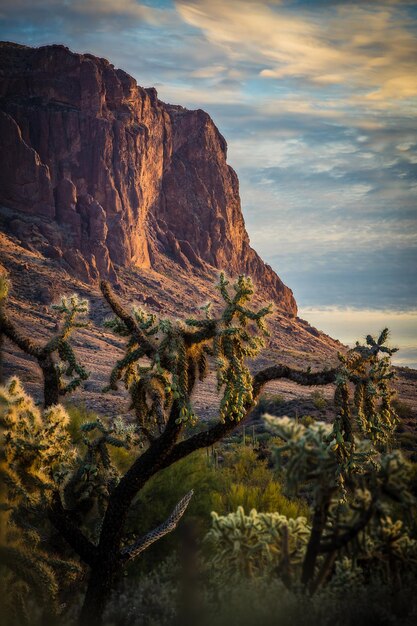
x,y
114,176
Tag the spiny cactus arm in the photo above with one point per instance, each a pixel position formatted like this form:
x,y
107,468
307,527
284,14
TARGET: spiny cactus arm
x,y
132,552
276,372
208,331
129,321
61,520
23,342
221,429
34,571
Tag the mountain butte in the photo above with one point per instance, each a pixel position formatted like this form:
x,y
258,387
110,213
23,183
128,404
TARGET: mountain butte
x,y
99,178
97,173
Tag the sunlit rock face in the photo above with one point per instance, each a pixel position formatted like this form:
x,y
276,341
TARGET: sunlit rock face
x,y
97,172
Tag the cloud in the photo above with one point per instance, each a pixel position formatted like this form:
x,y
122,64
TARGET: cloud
x,y
75,16
332,208
351,325
211,71
368,47
360,277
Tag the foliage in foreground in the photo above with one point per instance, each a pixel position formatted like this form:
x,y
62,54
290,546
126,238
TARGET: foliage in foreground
x,y
163,364
241,478
358,486
80,499
35,458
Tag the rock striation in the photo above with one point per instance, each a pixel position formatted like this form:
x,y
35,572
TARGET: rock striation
x,y
97,172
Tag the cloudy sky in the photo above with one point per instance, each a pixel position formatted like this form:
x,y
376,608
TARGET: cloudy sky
x,y
317,101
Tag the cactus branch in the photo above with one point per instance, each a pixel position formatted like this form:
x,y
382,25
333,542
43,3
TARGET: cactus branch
x,y
24,343
220,430
61,519
129,321
276,372
170,524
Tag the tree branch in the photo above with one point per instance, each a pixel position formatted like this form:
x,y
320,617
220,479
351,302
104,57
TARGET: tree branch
x,y
132,552
60,518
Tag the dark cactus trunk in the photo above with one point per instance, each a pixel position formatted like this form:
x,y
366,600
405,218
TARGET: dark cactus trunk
x,y
346,416
313,547
51,383
98,591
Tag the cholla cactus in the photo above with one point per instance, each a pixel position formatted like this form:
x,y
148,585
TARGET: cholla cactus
x,y
177,356
72,373
60,368
347,577
368,369
164,360
35,457
256,544
354,480
88,487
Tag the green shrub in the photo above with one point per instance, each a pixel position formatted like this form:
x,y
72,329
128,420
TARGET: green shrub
x,y
319,400
268,403
307,420
247,481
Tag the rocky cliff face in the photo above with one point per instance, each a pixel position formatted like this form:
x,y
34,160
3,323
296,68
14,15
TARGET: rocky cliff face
x,y
96,172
